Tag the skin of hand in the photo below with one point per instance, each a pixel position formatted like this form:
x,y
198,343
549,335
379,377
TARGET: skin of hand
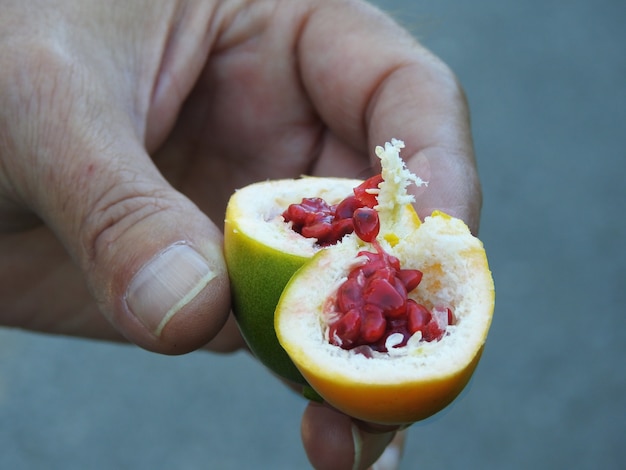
x,y
125,126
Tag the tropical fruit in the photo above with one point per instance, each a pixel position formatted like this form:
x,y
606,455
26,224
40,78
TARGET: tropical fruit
x,y
422,365
385,317
262,252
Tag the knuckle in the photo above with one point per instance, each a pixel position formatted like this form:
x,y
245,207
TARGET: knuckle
x,y
116,212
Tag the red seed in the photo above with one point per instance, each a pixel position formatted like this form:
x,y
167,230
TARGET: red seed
x,y
349,295
378,291
418,316
373,265
316,204
315,218
345,331
432,332
361,191
394,326
321,230
373,324
391,260
310,211
410,278
346,208
399,286
384,295
366,223
342,227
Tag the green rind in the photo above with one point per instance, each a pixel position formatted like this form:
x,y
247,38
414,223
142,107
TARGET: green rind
x,y
249,261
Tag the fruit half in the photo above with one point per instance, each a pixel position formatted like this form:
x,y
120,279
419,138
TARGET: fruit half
x,y
262,252
407,383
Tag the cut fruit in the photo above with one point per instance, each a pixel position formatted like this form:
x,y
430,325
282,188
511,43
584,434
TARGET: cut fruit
x,y
406,383
385,317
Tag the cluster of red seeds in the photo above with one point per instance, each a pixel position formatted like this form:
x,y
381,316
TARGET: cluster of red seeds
x,y
375,309
372,304
315,218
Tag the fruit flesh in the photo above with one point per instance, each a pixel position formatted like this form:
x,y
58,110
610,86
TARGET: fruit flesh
x,y
372,308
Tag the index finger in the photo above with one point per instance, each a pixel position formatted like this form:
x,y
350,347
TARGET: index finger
x,y
370,80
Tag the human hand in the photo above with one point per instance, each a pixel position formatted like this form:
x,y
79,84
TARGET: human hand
x,y
125,127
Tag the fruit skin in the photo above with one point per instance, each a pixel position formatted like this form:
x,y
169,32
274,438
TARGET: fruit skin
x,y
254,307
402,403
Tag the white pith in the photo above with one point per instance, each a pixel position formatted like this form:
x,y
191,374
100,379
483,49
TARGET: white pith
x,y
260,217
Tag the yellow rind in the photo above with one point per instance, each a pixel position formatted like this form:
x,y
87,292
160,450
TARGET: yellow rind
x,y
402,403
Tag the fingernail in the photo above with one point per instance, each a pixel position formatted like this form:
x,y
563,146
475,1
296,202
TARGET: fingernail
x,y
167,283
358,446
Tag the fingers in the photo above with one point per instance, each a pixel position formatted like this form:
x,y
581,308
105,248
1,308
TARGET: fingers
x,y
384,84
151,259
333,441
453,185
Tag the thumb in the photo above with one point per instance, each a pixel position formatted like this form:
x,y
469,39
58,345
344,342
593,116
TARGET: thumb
x,y
152,261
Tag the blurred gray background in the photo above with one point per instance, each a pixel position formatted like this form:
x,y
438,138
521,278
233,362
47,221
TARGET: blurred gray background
x,y
546,81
